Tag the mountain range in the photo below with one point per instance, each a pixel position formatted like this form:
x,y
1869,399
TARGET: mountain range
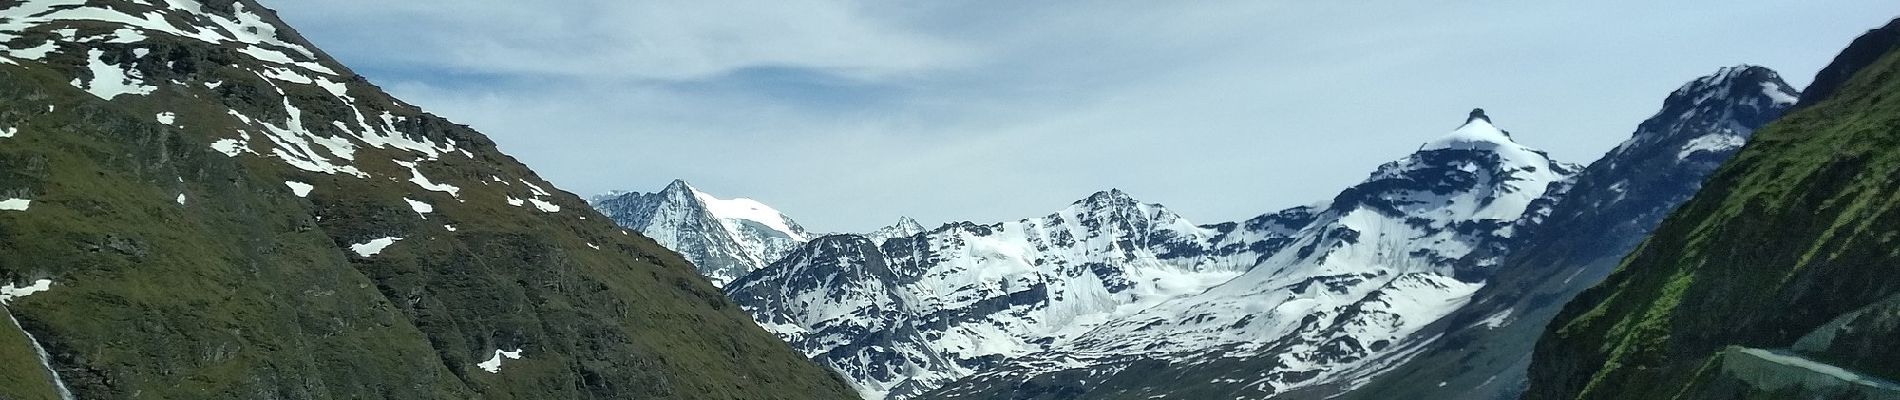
x,y
1115,298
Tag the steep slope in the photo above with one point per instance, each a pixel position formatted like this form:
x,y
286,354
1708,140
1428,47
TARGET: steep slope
x,y
725,239
197,203
1775,281
906,314
1614,204
1381,261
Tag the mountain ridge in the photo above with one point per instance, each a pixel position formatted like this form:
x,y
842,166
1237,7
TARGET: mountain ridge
x,y
219,210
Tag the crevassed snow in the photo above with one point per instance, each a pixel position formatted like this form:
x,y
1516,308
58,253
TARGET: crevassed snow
x,y
15,204
418,206
10,291
373,246
493,365
299,188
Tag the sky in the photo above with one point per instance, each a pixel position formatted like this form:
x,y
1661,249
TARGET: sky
x,y
847,115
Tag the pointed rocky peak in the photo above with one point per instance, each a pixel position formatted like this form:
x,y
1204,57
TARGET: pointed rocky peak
x,y
1477,114
1112,203
679,186
905,227
1476,134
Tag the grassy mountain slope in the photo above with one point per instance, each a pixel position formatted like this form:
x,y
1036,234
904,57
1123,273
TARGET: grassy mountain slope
x,y
1791,248
182,272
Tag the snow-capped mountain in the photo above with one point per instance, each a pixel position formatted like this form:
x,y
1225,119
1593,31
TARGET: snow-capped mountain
x,y
909,313
905,227
1384,259
1615,203
1108,291
724,238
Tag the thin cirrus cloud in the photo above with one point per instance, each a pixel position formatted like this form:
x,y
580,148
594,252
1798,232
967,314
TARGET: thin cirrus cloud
x,y
662,40
849,114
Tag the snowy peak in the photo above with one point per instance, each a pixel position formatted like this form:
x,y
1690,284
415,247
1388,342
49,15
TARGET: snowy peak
x,y
1477,133
1740,79
905,227
738,213
724,238
1710,117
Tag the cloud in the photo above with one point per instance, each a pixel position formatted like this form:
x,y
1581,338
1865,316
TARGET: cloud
x,y
848,114
660,40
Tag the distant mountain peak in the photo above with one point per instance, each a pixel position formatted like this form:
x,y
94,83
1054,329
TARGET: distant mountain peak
x,y
1477,114
724,238
1108,197
679,185
1476,134
905,227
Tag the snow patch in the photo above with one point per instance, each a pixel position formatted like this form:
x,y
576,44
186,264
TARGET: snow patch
x,y
493,365
10,292
299,188
180,199
109,81
419,206
415,176
373,246
544,205
15,204
1711,143
9,132
167,118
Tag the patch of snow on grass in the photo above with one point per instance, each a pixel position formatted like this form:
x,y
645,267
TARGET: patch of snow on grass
x,y
415,176
544,206
10,292
109,81
493,365
167,118
299,188
374,246
419,206
15,204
